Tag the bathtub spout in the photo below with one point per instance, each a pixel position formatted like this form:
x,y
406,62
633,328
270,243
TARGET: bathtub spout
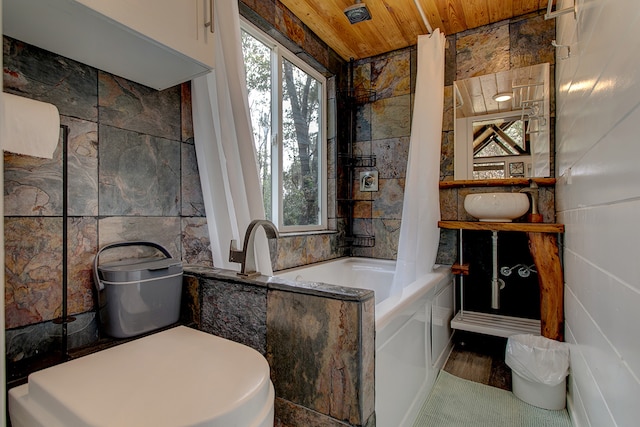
x,y
247,257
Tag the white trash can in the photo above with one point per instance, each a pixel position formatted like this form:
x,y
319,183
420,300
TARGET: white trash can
x,y
540,367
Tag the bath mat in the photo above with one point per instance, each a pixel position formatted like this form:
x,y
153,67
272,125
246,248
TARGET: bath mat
x,y
455,402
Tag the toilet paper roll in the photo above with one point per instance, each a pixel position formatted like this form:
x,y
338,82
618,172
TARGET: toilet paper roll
x,y
30,127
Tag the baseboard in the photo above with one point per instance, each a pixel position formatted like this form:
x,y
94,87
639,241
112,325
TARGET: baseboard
x,y
575,408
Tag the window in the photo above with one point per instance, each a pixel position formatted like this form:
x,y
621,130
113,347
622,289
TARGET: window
x,y
287,100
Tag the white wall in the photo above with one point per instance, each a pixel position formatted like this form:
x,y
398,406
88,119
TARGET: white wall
x,y
598,199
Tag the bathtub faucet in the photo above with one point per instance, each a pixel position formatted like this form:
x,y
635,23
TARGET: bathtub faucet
x,y
247,256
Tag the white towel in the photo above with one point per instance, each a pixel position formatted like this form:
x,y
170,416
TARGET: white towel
x,y
30,127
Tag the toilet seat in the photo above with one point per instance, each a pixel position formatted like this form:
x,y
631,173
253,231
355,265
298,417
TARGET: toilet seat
x,y
178,377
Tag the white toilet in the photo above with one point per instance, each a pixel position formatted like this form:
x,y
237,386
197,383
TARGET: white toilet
x,y
178,377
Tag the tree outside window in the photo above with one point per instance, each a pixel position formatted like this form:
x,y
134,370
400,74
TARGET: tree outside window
x,y
287,103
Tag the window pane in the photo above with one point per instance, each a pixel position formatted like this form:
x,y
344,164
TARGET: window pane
x,y
257,62
301,149
493,149
489,170
516,131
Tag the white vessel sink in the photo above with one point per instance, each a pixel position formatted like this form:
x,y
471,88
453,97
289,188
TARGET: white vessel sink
x,y
496,207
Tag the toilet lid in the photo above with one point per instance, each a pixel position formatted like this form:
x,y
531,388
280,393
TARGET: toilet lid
x,y
178,377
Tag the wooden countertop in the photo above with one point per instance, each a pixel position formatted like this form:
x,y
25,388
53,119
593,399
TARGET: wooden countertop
x,y
531,227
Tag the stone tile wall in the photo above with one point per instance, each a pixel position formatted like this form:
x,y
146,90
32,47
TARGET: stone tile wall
x,y
383,127
132,175
318,340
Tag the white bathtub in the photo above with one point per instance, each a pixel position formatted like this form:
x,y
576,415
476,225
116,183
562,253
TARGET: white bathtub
x,y
413,333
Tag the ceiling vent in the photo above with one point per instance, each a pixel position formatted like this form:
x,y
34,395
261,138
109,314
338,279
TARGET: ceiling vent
x,y
357,13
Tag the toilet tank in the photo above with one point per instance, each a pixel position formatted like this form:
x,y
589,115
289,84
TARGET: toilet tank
x,y
138,295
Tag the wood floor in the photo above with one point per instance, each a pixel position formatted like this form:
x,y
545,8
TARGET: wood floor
x,y
479,358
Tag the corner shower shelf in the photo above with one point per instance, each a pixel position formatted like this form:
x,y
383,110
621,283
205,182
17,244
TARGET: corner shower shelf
x,y
359,161
350,99
364,96
361,241
360,96
494,324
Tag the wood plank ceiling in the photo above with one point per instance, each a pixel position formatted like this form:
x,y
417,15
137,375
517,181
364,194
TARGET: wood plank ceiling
x,y
397,23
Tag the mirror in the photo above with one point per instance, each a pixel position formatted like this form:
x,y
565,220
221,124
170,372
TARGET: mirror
x,y
502,137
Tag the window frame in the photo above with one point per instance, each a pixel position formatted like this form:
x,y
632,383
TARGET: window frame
x,y
278,54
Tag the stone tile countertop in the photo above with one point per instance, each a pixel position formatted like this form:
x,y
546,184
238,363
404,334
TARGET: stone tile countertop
x,y
273,282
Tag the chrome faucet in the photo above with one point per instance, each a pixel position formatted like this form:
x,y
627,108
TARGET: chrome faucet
x,y
534,192
247,257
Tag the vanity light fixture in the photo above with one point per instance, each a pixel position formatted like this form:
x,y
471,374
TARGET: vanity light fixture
x,y
502,96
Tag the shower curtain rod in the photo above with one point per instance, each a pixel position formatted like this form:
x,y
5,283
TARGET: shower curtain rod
x,y
424,18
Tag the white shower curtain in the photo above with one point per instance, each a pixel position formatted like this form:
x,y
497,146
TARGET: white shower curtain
x,y
224,145
419,232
